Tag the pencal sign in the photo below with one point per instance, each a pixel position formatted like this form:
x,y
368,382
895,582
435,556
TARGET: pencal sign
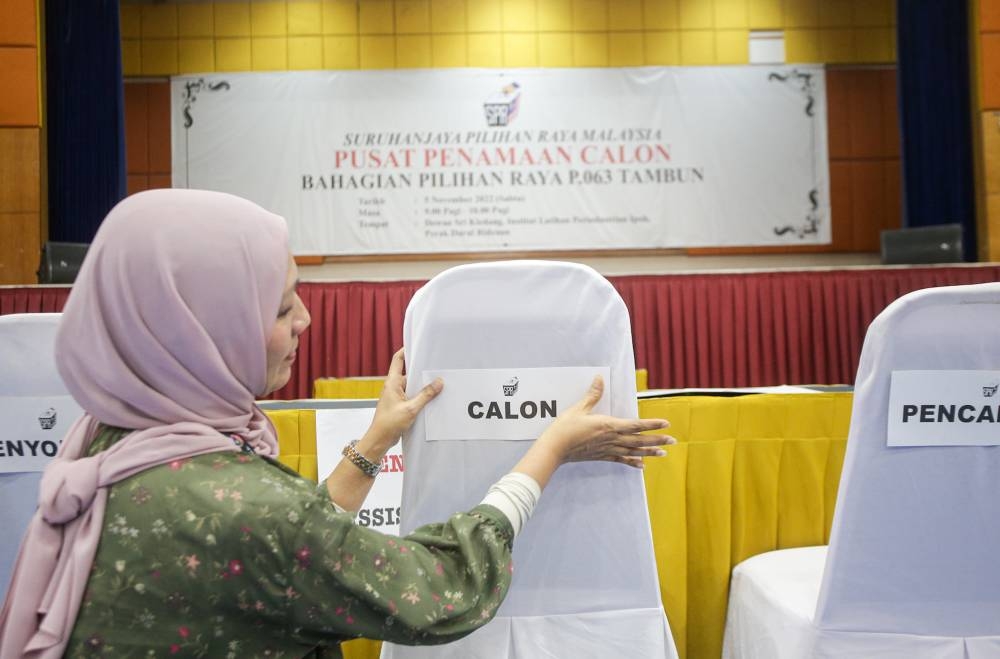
x,y
944,408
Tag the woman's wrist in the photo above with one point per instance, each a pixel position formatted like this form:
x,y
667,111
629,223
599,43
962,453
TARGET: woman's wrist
x,y
374,444
540,462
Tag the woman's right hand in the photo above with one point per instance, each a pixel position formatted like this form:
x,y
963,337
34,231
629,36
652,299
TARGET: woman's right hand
x,y
578,435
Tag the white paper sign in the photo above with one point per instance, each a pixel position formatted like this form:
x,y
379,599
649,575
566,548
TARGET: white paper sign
x,y
509,403
334,429
34,427
944,408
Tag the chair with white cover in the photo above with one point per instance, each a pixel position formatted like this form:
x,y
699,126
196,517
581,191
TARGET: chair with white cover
x,y
35,411
585,581
912,566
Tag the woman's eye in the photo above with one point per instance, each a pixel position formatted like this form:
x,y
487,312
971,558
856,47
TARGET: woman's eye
x,y
284,312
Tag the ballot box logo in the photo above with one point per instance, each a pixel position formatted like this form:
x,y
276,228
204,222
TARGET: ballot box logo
x,y
512,409
510,387
47,419
501,107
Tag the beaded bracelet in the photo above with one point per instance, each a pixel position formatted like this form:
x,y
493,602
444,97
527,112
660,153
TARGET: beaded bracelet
x,y
361,462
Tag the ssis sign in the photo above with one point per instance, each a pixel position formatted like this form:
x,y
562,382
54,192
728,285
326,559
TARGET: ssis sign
x,y
507,404
944,408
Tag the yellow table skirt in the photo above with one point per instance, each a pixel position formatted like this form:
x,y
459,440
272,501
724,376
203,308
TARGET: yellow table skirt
x,y
371,387
749,474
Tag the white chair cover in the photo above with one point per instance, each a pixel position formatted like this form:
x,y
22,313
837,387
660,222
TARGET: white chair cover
x,y
912,567
29,387
585,581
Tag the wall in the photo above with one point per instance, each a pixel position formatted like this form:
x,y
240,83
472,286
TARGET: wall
x,y
166,39
21,230
850,35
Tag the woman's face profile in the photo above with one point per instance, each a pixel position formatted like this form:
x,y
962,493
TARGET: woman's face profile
x,y
292,320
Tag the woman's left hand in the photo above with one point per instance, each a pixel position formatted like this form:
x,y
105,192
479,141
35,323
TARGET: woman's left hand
x,y
395,413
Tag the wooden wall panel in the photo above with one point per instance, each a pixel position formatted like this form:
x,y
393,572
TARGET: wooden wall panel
x,y
986,72
158,116
20,143
19,170
868,203
865,108
17,22
841,205
136,129
990,71
19,235
19,85
890,114
20,205
147,135
838,97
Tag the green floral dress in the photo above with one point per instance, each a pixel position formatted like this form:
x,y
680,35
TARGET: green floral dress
x,y
231,555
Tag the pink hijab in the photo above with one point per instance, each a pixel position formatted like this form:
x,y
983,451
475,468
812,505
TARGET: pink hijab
x,y
164,332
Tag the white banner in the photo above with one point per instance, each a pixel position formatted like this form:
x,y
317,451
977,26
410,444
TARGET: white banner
x,y
509,403
34,427
944,408
466,160
334,429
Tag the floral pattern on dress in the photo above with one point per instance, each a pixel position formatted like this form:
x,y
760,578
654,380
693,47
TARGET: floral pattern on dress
x,y
234,556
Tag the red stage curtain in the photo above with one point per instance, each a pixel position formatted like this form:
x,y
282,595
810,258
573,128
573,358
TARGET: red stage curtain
x,y
697,330
356,328
32,299
768,328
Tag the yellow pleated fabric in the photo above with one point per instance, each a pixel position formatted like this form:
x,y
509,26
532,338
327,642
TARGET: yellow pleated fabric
x,y
749,474
357,388
352,388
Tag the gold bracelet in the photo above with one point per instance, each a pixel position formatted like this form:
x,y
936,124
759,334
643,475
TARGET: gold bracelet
x,y
361,462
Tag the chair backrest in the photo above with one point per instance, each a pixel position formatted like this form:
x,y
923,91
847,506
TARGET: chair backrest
x,y
35,411
916,534
588,547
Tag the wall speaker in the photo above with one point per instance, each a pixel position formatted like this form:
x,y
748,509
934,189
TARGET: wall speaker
x,y
941,243
61,262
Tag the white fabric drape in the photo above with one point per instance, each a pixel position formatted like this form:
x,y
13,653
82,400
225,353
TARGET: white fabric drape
x,y
585,581
911,569
30,386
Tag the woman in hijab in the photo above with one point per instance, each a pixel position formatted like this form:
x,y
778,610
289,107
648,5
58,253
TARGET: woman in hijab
x,y
165,526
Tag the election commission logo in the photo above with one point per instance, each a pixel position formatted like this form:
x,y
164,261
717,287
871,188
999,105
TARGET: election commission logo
x,y
47,419
501,108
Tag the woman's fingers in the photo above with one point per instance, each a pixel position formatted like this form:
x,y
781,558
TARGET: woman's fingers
x,y
593,394
637,441
396,365
635,426
426,394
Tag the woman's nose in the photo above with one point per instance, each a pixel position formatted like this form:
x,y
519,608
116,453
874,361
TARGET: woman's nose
x,y
303,321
